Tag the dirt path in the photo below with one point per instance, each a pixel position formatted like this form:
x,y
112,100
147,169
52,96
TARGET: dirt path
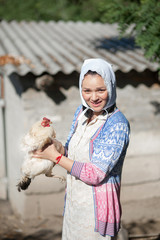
x,y
139,218
14,228
142,217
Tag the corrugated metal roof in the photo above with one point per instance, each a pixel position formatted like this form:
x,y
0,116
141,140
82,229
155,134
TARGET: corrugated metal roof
x,y
62,46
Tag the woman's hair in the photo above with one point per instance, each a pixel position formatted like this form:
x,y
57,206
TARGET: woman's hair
x,y
91,73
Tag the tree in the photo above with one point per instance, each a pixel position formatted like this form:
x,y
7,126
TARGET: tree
x,y
49,10
142,15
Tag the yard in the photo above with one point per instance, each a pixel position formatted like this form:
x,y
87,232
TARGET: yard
x,y
142,221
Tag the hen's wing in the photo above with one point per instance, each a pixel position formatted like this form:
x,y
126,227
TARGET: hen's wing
x,y
36,166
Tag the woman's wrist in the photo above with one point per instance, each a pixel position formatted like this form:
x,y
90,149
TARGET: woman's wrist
x,y
65,162
58,158
56,155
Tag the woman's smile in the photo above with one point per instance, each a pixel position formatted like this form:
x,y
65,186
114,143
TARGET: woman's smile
x,y
96,104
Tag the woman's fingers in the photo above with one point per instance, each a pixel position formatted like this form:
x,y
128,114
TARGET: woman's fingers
x,y
37,153
48,152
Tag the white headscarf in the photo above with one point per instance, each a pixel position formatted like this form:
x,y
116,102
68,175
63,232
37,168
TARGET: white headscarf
x,y
104,69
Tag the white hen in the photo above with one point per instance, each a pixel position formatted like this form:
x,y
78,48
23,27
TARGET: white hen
x,y
41,134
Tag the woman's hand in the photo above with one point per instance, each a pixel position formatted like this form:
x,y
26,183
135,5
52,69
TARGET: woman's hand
x,y
49,152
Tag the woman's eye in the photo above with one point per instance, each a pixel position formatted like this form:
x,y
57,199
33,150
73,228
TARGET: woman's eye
x,y
101,90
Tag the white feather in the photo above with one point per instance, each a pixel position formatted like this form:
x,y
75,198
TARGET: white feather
x,y
35,139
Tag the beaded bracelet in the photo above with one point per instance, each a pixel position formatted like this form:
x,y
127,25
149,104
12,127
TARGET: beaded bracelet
x,y
59,158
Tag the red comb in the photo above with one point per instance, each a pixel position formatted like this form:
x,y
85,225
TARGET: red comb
x,y
46,119
45,122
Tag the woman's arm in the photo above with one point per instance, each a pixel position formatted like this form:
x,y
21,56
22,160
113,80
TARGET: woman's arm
x,y
106,154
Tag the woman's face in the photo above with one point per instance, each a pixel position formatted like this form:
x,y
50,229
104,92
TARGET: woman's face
x,y
94,92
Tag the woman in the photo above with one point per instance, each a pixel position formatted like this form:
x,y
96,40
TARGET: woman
x,y
93,157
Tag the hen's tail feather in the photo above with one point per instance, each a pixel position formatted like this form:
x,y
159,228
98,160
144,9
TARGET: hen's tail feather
x,y
23,184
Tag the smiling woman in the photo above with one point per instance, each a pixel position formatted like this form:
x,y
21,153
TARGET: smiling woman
x,y
93,156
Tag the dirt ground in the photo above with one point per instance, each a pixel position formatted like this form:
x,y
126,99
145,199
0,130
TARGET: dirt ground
x,y
140,219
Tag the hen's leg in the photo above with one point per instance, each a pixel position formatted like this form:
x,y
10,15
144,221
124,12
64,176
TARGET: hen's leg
x,y
50,174
61,178
24,183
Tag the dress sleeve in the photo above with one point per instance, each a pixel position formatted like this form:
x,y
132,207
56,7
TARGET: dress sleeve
x,y
107,152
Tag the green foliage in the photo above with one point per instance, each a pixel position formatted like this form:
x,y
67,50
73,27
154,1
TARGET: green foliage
x,y
142,15
49,10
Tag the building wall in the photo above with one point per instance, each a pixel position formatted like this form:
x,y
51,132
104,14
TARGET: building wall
x,y
138,96
14,124
138,106
3,177
140,101
25,105
38,104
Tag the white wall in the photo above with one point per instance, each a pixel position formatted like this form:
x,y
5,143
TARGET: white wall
x,y
3,178
137,105
14,117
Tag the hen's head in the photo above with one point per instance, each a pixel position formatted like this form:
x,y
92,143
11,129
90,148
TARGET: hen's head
x,y
41,133
43,129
